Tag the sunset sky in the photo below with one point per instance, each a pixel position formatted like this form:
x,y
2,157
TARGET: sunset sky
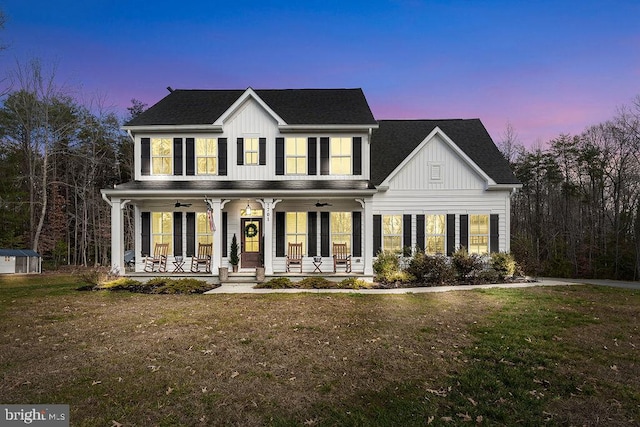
x,y
547,67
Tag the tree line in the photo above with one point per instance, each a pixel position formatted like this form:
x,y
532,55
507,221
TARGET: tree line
x,y
578,213
56,153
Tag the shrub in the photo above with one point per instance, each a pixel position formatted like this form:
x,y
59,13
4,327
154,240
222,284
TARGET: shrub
x,y
121,284
182,286
466,264
503,263
316,283
276,283
353,283
431,270
488,276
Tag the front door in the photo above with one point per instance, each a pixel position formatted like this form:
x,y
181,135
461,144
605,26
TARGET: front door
x,y
251,242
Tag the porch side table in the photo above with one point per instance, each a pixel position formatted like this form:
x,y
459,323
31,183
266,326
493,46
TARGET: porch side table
x,y
317,262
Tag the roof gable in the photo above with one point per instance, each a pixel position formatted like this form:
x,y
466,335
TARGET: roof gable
x,y
395,140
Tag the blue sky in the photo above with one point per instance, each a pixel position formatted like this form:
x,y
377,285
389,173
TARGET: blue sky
x,y
547,67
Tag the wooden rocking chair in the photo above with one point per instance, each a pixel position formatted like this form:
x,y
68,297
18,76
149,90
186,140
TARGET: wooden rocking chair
x,y
294,256
158,259
341,256
203,258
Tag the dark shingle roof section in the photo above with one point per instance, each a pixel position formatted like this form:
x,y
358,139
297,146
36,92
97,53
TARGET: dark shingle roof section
x,y
295,106
394,140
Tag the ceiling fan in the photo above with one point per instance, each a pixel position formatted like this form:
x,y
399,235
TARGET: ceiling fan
x,y
319,205
182,205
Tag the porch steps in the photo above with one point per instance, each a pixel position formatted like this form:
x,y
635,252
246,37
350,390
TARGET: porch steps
x,y
241,278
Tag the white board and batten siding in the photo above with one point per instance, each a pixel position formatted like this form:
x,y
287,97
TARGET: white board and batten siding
x,y
436,180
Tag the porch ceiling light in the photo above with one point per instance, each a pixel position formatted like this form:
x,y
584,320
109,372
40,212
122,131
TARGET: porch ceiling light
x,y
248,209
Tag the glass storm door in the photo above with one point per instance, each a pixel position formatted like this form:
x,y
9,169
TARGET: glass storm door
x,y
251,242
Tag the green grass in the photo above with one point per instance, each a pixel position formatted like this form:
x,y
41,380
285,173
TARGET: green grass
x,y
534,356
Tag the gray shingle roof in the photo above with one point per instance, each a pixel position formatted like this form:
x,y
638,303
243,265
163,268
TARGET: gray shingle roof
x,y
287,185
295,106
19,252
394,140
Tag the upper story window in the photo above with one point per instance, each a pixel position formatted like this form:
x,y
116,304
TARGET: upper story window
x,y
478,234
206,156
251,151
435,234
295,150
161,156
341,156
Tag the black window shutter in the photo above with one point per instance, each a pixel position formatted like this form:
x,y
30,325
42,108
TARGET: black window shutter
x,y
493,233
145,156
191,233
280,157
357,155
262,151
177,157
407,244
312,156
420,231
377,234
222,156
280,237
177,233
325,233
191,156
146,233
451,234
240,153
324,156
356,230
312,233
224,234
464,231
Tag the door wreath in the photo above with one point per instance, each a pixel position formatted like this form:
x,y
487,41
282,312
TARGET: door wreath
x,y
251,230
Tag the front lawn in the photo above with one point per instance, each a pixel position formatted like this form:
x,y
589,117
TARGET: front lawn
x,y
544,355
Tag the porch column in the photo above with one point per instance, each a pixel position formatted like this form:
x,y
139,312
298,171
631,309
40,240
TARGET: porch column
x,y
117,238
368,236
268,205
216,259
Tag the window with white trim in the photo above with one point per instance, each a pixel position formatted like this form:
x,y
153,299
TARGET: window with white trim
x,y
203,229
251,151
162,227
341,156
392,233
435,234
478,234
295,156
161,156
341,225
206,156
296,223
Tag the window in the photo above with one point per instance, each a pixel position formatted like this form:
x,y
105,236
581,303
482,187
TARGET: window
x,y
392,232
162,227
341,156
297,228
295,150
478,234
203,229
161,156
435,234
251,151
341,228
206,156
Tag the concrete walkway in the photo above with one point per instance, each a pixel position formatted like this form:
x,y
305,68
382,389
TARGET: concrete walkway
x,y
247,288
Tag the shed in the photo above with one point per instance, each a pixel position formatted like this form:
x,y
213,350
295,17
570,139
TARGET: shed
x,y
20,261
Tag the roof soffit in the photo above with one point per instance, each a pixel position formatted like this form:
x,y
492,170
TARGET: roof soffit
x,y
437,131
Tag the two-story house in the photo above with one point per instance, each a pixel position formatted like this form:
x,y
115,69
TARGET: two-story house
x,y
310,166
